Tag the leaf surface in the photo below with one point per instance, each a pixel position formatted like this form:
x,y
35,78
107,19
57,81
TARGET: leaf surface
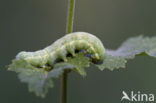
x,y
39,80
132,47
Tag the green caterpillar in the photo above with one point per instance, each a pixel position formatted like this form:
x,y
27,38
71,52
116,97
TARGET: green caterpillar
x,y
68,44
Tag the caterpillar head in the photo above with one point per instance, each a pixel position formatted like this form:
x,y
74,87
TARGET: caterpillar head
x,y
97,58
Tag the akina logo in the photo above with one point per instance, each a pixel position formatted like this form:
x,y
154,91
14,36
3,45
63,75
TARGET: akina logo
x,y
137,97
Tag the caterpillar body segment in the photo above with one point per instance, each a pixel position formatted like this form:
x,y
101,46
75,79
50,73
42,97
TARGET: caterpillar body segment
x,y
37,58
68,44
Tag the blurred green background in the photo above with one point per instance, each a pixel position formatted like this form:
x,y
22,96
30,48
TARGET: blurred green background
x,y
33,24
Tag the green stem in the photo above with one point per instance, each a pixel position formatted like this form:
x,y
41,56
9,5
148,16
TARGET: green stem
x,y
64,87
70,16
69,29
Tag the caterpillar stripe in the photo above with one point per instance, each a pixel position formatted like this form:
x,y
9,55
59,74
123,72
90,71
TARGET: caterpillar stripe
x,y
68,44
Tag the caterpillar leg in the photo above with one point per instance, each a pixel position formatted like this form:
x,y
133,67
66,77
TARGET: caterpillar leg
x,y
62,53
65,59
71,49
52,59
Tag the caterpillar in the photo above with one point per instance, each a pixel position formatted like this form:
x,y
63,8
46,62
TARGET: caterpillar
x,y
61,48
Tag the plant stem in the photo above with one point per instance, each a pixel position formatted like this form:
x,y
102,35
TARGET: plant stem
x,y
70,16
69,29
64,87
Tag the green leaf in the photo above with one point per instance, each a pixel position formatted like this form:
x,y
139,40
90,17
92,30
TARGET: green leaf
x,y
111,63
128,50
80,62
39,80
